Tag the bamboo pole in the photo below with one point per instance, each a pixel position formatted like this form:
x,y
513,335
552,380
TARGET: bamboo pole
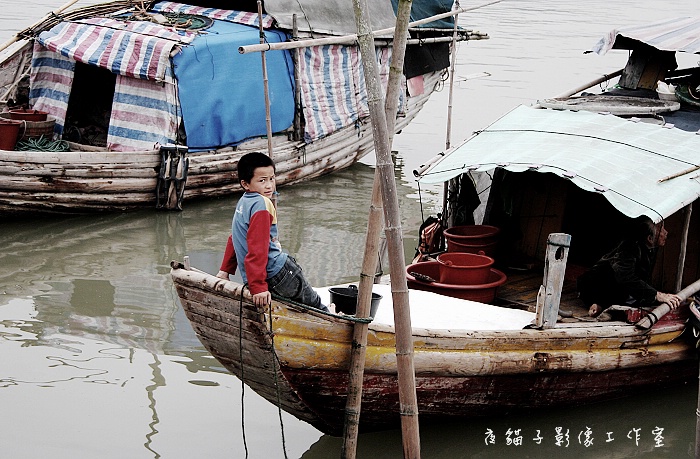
x,y
385,168
447,214
374,226
350,39
645,323
684,246
297,83
268,121
585,86
448,136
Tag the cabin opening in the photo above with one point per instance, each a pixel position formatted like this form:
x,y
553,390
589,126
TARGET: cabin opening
x,y
528,206
90,105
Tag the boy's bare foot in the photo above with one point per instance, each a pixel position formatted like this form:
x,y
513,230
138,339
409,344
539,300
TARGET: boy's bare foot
x,y
595,310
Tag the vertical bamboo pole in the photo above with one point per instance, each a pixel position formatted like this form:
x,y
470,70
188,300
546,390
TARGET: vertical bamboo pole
x,y
452,77
451,185
374,227
385,168
268,121
684,246
297,82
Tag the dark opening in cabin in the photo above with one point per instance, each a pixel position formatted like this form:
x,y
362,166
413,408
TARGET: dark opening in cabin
x,y
90,105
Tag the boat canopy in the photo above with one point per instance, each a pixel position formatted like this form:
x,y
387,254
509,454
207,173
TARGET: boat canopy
x,y
626,160
678,34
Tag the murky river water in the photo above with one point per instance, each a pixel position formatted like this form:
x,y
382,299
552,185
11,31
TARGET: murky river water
x,y
98,361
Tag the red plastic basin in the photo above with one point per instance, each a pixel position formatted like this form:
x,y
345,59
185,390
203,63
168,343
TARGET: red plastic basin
x,y
484,293
464,268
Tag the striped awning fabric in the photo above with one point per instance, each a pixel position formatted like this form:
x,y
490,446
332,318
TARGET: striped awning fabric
x,y
130,48
677,34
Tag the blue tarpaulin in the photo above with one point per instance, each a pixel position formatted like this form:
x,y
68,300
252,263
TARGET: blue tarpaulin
x,y
221,91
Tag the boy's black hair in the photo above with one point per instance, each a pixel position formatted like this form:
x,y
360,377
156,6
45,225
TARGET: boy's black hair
x,y
251,161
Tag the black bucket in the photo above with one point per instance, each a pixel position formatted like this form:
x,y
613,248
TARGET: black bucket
x,y
345,299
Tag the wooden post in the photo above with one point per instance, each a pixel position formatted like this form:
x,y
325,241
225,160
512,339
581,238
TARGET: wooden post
x,y
408,403
554,268
268,119
374,226
684,246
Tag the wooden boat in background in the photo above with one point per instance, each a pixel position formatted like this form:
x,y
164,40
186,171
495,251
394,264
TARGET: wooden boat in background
x,y
148,134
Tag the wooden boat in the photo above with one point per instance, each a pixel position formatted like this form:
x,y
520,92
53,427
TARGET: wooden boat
x,y
142,132
572,179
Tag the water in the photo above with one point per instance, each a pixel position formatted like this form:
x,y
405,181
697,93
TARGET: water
x,y
98,359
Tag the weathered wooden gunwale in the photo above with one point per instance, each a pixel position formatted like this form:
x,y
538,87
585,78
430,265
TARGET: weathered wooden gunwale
x,y
459,372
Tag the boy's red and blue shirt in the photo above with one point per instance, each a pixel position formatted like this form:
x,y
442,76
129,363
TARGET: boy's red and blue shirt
x,y
255,248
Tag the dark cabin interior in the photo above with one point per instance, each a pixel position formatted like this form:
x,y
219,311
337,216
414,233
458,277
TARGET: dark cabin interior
x,y
528,206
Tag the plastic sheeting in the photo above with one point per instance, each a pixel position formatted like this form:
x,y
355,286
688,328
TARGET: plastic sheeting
x,y
678,34
221,91
624,160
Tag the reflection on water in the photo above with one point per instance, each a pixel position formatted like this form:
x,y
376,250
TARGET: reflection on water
x,y
89,314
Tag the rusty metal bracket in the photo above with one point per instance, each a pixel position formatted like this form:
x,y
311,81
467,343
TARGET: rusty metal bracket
x,y
172,177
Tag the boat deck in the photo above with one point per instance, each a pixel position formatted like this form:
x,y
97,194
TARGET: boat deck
x,y
520,291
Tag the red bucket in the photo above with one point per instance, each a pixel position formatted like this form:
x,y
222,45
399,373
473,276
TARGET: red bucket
x,y
464,268
9,131
472,239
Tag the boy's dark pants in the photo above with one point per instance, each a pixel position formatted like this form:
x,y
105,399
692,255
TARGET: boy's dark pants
x,y
290,283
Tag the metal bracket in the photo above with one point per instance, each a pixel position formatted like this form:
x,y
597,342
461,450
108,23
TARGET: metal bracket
x,y
172,177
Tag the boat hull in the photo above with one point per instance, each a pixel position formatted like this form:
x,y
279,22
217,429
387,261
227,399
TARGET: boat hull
x,y
303,360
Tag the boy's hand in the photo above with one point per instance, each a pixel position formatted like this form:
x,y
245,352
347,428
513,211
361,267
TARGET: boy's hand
x,y
222,275
262,298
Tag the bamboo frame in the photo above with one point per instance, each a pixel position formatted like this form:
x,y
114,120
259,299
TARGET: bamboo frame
x,y
385,168
353,38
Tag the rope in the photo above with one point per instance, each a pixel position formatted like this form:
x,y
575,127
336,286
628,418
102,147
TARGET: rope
x,y
240,357
364,320
42,144
277,387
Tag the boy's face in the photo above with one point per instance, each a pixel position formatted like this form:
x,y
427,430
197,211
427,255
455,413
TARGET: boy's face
x,y
263,181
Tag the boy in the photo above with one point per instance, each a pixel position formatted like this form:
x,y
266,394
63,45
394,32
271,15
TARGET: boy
x,y
253,244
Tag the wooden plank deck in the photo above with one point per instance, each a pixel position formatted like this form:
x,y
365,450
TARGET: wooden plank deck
x,y
520,291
